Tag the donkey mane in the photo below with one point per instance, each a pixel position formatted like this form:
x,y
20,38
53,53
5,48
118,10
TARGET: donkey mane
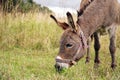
x,y
83,5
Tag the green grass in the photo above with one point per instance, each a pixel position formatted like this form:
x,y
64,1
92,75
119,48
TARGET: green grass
x,y
28,46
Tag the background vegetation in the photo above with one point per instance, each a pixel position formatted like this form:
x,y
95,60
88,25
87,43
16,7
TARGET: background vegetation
x,y
29,43
21,6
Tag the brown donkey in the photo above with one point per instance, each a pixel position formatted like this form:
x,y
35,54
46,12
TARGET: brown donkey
x,y
73,43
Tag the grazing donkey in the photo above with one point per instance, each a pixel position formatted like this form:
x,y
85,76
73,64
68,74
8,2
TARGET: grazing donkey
x,y
73,43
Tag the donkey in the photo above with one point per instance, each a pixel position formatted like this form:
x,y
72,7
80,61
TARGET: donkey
x,y
73,43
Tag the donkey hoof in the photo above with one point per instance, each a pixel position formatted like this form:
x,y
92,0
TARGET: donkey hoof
x,y
97,61
87,61
113,66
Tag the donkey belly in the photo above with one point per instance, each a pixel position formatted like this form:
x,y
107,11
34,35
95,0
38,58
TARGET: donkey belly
x,y
104,29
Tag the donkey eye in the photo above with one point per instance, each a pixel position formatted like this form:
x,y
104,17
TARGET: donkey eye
x,y
69,45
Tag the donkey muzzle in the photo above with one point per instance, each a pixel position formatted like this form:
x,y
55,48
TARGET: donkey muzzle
x,y
60,66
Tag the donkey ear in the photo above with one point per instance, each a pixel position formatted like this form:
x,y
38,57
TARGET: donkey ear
x,y
77,13
71,22
63,25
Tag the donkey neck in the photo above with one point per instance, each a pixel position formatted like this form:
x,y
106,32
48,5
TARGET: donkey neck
x,y
87,26
87,30
94,16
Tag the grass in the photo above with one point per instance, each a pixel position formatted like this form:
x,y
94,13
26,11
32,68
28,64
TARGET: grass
x,y
29,43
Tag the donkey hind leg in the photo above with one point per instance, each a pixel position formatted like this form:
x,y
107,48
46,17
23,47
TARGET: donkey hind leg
x,y
88,52
112,46
96,47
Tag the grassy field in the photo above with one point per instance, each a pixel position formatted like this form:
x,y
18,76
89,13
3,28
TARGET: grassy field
x,y
29,43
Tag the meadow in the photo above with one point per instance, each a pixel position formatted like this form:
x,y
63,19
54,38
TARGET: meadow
x,y
29,43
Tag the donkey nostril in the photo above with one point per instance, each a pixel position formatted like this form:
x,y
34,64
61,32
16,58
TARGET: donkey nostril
x,y
55,66
58,67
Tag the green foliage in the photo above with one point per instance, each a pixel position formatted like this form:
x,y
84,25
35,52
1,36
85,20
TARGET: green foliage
x,y
30,1
25,7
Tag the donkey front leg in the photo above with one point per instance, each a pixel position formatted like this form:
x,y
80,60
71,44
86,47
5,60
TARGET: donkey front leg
x,y
88,52
112,46
96,47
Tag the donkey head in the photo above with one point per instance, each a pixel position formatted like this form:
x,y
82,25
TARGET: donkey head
x,y
72,44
